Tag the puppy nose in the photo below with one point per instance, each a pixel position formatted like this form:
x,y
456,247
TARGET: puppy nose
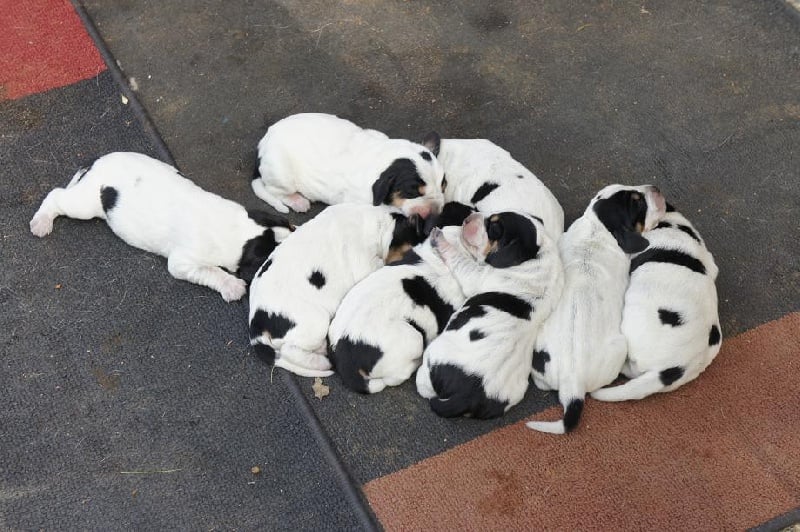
x,y
422,210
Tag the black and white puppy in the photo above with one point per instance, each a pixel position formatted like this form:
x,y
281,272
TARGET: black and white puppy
x,y
670,316
479,365
384,323
151,206
320,157
484,175
298,289
580,347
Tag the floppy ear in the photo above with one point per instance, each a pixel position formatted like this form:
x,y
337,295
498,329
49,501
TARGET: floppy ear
x,y
432,141
630,241
453,213
383,185
670,208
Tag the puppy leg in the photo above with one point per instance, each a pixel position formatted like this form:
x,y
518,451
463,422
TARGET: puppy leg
x,y
268,195
304,347
464,268
79,201
182,267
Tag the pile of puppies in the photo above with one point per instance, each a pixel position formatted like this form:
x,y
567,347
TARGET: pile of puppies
x,y
444,258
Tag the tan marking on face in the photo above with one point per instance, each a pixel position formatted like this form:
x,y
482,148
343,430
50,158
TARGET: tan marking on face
x,y
491,247
639,227
397,201
396,253
363,373
494,218
421,189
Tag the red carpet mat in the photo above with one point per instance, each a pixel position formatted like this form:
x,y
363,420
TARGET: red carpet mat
x,y
721,453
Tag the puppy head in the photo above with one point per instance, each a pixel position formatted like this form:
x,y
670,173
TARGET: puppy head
x,y
627,211
502,239
407,233
413,182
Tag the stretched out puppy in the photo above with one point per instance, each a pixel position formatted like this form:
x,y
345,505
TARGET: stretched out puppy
x,y
484,175
670,316
580,347
385,321
479,365
151,206
296,292
320,157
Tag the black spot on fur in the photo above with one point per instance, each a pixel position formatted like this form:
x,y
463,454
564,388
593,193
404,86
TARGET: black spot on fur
x,y
317,279
689,231
265,353
484,190
108,198
264,268
670,256
400,179
540,360
475,335
276,325
352,360
515,236
409,230
462,394
423,294
664,225
267,220
520,176
670,375
714,336
409,257
464,316
453,213
425,155
420,330
572,414
669,317
254,253
621,214
508,303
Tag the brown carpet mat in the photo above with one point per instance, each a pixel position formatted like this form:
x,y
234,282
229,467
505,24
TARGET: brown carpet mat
x,y
688,460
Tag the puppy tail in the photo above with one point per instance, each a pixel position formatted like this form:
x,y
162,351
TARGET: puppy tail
x,y
641,386
345,357
264,352
573,407
300,370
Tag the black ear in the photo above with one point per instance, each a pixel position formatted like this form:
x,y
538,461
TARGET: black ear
x,y
453,213
383,185
432,141
670,208
630,241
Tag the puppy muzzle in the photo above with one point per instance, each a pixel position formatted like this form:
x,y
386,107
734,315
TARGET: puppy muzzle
x,y
656,207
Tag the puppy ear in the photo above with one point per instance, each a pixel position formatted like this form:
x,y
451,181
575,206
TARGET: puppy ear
x,y
631,241
670,208
383,185
453,213
432,141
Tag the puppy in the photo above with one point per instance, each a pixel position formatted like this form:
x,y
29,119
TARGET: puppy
x,y
484,175
320,157
296,292
670,316
580,347
479,365
151,206
383,324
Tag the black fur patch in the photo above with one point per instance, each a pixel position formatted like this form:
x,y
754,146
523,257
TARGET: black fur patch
x,y
670,208
621,213
401,179
420,330
276,325
254,252
689,231
462,394
108,198
266,219
515,236
423,294
572,414
317,279
540,360
663,225
409,230
353,360
669,317
484,190
520,176
670,375
265,353
508,303
264,268
257,169
464,316
475,335
410,257
671,256
714,336
432,141
453,213
425,155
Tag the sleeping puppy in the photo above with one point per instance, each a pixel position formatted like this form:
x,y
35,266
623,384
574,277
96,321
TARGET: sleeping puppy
x,y
151,206
580,347
386,320
320,157
670,316
479,365
296,292
484,175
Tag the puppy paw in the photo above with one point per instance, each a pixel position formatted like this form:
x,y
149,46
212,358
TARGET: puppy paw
x,y
298,203
435,236
233,289
41,225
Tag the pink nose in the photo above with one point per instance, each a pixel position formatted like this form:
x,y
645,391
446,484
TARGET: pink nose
x,y
422,210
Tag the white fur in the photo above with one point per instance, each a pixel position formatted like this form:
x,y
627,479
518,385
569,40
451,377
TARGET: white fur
x,y
320,157
345,243
377,311
654,346
502,358
469,163
582,336
158,210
